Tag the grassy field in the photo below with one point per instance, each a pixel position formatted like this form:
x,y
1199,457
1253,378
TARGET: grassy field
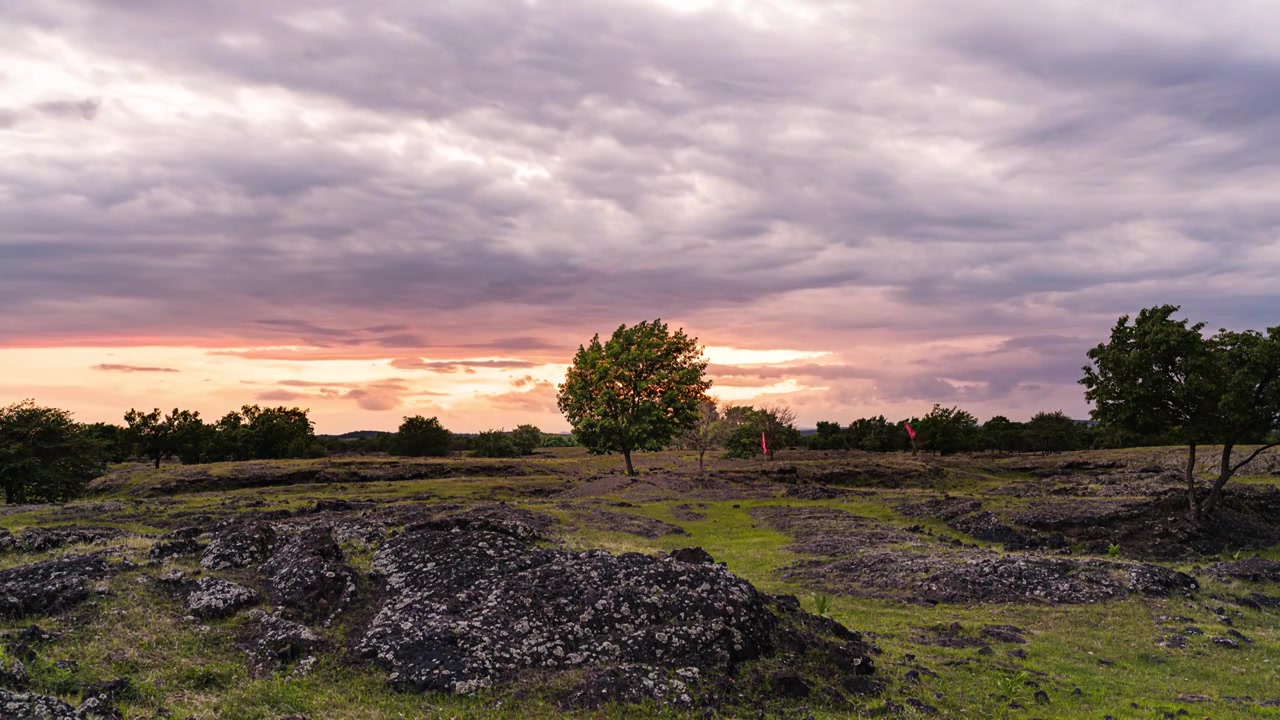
x,y
1091,660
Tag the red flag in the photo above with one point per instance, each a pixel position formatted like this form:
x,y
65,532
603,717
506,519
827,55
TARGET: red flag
x,y
764,445
910,430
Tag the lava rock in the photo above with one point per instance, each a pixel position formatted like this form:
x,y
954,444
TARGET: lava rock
x,y
516,522
238,545
216,598
49,586
273,642
13,674
693,556
175,547
41,539
308,576
1251,569
29,706
462,610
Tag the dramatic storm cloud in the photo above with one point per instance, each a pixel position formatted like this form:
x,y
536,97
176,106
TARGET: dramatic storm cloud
x,y
921,203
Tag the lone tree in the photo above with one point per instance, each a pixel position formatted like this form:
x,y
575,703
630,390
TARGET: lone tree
x,y
419,436
706,432
634,391
1160,375
45,456
150,434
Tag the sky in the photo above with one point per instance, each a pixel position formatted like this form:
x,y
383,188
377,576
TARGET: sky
x,y
396,207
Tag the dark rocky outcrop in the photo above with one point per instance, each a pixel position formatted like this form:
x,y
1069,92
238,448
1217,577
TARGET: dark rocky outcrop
x,y
307,575
273,642
49,586
217,598
463,610
985,577
516,522
41,539
238,545
1251,569
29,706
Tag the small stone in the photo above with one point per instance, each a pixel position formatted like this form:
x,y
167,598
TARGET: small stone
x,y
1042,697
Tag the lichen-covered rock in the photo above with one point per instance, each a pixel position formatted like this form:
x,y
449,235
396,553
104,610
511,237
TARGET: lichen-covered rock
x,y
1251,569
516,522
166,548
7,541
13,674
49,586
41,539
308,576
273,642
463,610
633,684
984,577
217,598
29,706
238,545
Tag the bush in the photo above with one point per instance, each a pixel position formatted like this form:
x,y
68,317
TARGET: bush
x,y
494,444
527,438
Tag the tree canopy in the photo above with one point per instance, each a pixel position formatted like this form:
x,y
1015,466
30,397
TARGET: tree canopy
x,y
45,456
634,391
1158,375
420,436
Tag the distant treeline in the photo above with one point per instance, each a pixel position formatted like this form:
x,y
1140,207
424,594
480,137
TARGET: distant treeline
x,y
46,456
953,430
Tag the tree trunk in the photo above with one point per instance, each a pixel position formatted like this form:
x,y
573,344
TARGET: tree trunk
x,y
1224,474
157,462
626,455
701,452
1191,481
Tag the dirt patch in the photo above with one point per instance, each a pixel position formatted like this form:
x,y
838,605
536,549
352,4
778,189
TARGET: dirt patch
x,y
829,531
607,520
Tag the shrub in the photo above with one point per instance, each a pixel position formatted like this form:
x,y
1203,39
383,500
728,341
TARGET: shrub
x,y
494,444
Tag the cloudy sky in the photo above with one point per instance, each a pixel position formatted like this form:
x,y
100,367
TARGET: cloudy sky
x,y
397,207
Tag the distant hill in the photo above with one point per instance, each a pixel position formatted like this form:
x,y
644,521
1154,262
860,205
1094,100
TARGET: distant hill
x,y
355,435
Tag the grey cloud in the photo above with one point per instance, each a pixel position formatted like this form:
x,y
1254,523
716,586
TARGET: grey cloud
x,y
1023,170
115,367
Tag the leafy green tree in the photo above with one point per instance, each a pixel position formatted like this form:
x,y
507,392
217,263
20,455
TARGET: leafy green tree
x,y
747,424
830,436
527,438
112,438
494,444
420,436
635,391
1158,375
1001,434
550,440
45,456
948,431
875,434
191,438
272,433
150,434
706,432
1052,432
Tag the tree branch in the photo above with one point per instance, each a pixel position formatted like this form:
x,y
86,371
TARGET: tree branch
x,y
1251,457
